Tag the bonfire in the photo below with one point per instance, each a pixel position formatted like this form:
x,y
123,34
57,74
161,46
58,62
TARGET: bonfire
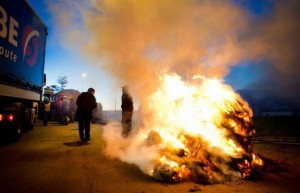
x,y
198,130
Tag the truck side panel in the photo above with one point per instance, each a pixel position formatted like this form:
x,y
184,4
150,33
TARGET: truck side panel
x,y
22,45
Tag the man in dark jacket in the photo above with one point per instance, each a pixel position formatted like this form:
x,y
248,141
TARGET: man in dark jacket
x,y
85,102
127,111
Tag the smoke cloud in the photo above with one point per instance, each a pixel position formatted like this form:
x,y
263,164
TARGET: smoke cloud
x,y
273,41
140,40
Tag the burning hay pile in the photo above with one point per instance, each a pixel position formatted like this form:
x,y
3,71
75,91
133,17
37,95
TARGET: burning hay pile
x,y
199,162
199,130
216,142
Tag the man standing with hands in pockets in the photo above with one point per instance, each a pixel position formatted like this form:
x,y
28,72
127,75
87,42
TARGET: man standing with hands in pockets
x,y
85,102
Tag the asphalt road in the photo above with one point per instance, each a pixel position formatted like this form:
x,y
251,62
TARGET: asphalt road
x,y
52,160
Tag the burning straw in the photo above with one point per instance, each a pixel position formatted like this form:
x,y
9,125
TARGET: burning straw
x,y
199,130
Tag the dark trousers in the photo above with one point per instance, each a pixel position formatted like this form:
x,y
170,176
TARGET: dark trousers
x,y
126,123
84,127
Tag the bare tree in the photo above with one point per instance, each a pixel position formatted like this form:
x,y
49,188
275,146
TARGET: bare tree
x,y
62,80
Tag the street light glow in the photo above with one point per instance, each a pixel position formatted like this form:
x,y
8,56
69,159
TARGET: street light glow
x,y
83,76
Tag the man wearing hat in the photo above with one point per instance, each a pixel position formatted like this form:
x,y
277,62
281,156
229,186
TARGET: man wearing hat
x,y
127,111
85,102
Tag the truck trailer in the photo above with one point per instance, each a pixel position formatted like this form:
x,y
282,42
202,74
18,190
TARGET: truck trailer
x,y
22,58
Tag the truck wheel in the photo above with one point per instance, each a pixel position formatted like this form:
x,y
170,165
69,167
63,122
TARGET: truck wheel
x,y
19,119
28,123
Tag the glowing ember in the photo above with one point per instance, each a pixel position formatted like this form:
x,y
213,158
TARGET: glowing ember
x,y
199,130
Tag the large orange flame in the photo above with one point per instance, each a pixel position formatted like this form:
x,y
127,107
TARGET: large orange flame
x,y
199,129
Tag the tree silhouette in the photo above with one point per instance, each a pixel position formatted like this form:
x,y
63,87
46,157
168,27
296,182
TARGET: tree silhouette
x,y
55,87
62,80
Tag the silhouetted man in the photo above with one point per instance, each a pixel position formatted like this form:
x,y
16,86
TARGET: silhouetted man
x,y
127,111
85,102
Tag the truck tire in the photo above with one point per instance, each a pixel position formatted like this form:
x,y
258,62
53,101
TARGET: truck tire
x,y
29,119
18,130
